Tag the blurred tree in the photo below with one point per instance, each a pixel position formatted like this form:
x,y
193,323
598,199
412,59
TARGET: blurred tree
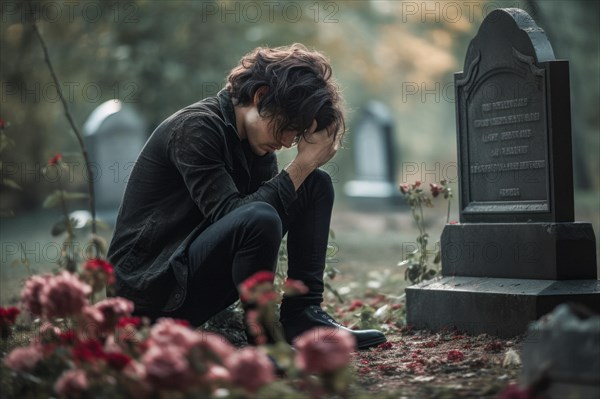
x,y
573,29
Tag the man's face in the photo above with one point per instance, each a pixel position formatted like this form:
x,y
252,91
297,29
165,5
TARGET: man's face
x,y
261,134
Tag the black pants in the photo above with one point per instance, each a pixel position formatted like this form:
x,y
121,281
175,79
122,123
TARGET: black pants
x,y
247,240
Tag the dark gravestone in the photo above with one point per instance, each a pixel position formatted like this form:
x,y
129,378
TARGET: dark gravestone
x,y
509,259
114,136
374,156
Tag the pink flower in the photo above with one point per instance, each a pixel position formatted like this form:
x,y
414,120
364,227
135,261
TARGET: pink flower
x,y
64,295
404,188
167,367
294,287
215,344
112,310
250,368
24,358
92,321
216,375
30,294
71,383
324,349
167,332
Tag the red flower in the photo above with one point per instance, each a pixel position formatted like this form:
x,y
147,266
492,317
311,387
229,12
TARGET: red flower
x,y
417,184
513,391
117,361
126,321
8,316
89,350
355,304
96,264
55,159
455,355
495,346
435,189
68,337
249,287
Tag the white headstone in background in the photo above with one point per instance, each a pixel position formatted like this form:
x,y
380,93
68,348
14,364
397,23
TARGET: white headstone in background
x,y
115,134
373,147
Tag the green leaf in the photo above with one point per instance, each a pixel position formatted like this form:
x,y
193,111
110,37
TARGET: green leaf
x,y
11,183
438,258
74,196
52,200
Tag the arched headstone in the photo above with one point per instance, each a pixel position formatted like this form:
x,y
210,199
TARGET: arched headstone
x,y
114,134
374,156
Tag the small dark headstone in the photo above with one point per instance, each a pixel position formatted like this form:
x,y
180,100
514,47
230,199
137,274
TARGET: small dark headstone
x,y
114,135
517,252
373,145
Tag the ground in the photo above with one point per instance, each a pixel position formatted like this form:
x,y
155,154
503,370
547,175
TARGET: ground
x,y
419,364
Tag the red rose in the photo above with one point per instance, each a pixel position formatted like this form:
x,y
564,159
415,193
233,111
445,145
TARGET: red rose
x,y
55,159
117,361
435,189
455,355
89,350
8,316
126,321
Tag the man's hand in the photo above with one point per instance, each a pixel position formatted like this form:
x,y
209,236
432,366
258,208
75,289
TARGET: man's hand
x,y
311,154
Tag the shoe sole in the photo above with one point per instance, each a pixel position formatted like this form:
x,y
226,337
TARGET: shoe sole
x,y
372,342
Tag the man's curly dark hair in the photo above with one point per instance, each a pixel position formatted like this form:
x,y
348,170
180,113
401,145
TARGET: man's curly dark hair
x,y
300,88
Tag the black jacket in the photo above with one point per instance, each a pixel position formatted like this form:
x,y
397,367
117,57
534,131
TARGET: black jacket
x,y
192,171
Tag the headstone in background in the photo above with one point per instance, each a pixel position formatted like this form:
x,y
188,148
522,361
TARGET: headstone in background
x,y
517,252
114,136
561,354
374,157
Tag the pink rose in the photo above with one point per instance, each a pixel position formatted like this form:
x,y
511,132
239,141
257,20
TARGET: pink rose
x,y
30,294
167,367
112,310
64,295
215,344
71,383
324,349
168,332
24,358
250,368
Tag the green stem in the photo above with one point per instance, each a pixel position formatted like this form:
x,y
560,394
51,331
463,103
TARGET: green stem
x,y
75,130
448,213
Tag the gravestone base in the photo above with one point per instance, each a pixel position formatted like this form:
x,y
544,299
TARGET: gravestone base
x,y
502,307
551,251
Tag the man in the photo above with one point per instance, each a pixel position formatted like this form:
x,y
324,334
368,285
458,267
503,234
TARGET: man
x,y
205,207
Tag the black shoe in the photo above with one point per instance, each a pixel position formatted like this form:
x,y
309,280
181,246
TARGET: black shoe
x,y
314,316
